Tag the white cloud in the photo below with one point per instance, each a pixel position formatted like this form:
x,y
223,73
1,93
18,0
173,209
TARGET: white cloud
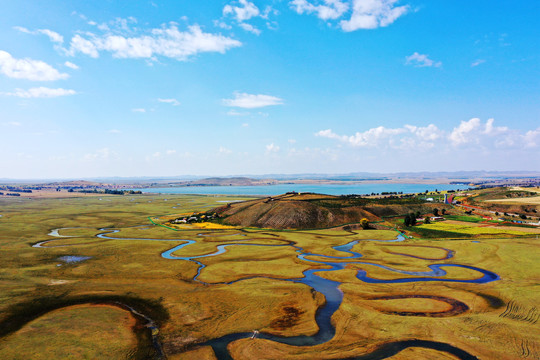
x,y
465,132
87,47
114,131
421,60
173,102
364,14
245,125
371,14
41,92
430,132
251,101
246,11
271,148
139,110
166,41
329,9
405,137
222,25
250,28
477,62
224,150
532,138
29,69
470,134
53,36
474,132
71,65
494,130
170,152
370,137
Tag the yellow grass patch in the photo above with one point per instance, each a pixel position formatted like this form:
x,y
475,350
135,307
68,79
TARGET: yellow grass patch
x,y
75,332
533,200
212,226
467,228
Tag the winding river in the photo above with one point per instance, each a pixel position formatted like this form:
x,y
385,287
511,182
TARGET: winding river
x,y
329,288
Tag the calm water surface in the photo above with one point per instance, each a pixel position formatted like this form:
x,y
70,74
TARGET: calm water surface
x,y
316,188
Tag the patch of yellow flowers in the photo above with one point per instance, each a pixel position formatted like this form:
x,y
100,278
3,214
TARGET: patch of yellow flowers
x,y
211,226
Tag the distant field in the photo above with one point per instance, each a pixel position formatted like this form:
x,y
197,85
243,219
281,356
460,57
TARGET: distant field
x,y
534,200
477,229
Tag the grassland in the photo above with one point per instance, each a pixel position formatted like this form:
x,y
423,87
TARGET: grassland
x,y
82,331
500,322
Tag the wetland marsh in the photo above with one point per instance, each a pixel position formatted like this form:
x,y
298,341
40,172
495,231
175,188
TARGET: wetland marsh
x,y
244,293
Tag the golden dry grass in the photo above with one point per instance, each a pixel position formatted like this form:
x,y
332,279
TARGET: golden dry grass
x,y
198,312
533,200
75,332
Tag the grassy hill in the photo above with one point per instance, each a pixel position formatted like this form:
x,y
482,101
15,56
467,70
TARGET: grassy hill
x,y
314,211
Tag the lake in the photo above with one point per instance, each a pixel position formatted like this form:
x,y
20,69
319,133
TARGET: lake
x,y
328,189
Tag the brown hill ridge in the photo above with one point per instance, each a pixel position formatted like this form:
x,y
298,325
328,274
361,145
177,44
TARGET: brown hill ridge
x,y
315,211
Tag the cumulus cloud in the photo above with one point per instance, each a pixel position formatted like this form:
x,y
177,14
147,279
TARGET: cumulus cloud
x,y
430,132
71,65
173,102
371,14
489,129
272,148
245,11
421,60
532,138
328,9
241,11
41,92
364,14
224,150
52,35
139,110
251,101
469,134
474,131
408,136
369,137
29,69
466,132
166,41
250,28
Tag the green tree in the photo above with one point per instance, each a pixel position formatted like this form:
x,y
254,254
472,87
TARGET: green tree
x,y
407,220
364,223
413,219
435,212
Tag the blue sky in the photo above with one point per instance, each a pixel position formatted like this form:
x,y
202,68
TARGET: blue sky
x,y
170,88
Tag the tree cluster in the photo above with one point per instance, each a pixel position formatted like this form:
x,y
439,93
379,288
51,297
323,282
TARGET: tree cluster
x,y
410,219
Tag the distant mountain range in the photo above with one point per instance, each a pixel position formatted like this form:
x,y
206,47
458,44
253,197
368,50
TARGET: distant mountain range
x,y
266,179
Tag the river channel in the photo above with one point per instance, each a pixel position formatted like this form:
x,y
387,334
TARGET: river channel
x,y
330,289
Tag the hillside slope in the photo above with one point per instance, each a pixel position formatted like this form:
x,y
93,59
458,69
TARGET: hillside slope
x,y
308,211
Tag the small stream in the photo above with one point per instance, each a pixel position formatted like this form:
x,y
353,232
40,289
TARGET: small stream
x,y
334,296
329,288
